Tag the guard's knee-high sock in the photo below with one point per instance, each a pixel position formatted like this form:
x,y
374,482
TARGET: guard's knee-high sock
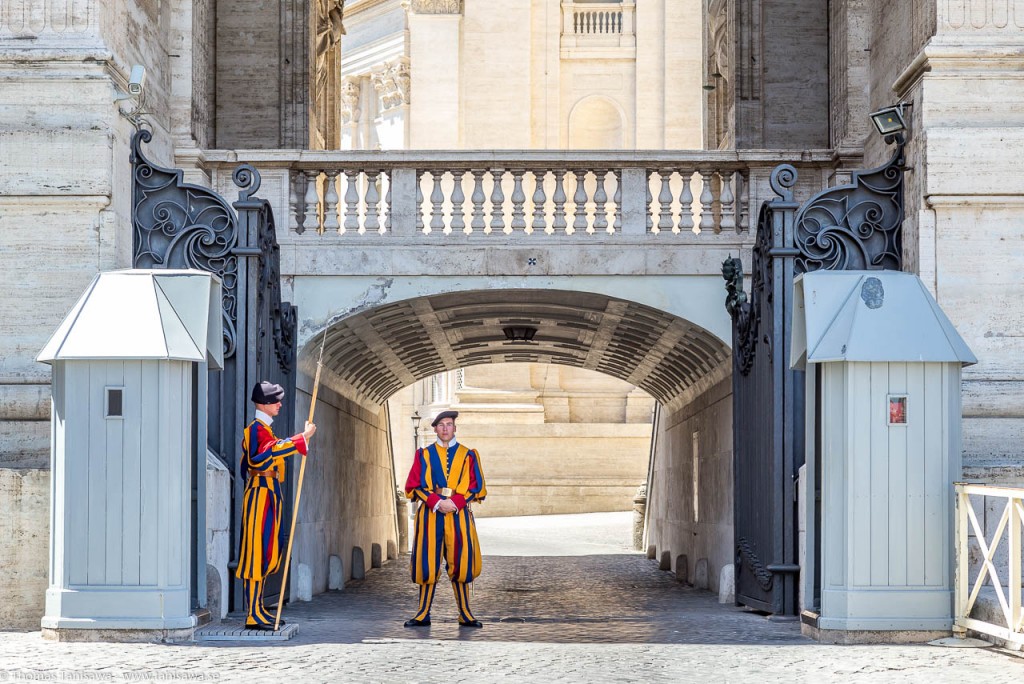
x,y
255,612
426,598
253,590
461,590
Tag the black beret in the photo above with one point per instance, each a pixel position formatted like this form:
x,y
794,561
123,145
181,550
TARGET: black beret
x,y
267,392
442,415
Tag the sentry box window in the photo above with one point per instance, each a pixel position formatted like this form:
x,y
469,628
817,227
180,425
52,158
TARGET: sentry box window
x,y
897,409
115,402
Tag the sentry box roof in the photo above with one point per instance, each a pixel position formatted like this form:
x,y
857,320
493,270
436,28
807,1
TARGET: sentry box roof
x,y
144,314
870,316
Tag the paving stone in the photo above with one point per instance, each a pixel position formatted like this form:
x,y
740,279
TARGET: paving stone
x,y
605,617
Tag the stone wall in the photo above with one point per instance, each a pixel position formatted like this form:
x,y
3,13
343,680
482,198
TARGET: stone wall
x,y
961,65
64,216
24,545
261,74
781,74
348,494
218,533
672,525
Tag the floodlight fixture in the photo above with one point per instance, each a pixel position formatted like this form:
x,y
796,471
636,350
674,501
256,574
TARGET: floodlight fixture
x,y
889,120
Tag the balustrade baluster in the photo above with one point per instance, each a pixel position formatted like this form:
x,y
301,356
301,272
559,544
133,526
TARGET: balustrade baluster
x,y
372,220
539,200
351,201
686,203
298,199
331,203
650,212
311,219
728,221
558,223
579,199
600,203
497,202
419,202
518,199
437,202
458,220
707,199
387,209
665,222
617,201
742,224
477,223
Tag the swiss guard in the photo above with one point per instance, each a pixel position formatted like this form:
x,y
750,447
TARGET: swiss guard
x,y
444,479
263,457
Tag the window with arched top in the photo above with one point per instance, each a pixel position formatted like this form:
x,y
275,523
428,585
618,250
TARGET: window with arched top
x,y
596,123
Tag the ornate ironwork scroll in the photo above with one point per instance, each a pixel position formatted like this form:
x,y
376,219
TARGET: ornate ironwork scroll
x,y
181,225
856,226
745,555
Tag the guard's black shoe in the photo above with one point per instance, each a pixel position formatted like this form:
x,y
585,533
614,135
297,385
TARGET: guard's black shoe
x,y
262,628
417,623
471,623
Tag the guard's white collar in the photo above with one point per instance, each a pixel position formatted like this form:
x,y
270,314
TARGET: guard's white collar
x,y
452,443
265,417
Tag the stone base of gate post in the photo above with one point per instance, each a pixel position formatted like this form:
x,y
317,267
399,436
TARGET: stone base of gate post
x,y
864,636
150,636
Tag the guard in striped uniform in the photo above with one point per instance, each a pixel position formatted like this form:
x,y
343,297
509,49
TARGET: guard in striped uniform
x,y
263,457
444,479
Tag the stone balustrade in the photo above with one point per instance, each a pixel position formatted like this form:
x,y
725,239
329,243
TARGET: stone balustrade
x,y
596,196
596,18
594,24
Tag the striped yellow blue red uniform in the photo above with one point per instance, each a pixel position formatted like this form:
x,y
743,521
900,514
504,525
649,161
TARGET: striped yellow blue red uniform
x,y
450,536
263,457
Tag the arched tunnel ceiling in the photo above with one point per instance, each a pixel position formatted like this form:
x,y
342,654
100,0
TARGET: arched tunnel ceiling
x,y
380,351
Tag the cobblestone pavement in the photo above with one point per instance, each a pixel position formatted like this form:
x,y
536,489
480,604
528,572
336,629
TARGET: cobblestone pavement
x,y
609,617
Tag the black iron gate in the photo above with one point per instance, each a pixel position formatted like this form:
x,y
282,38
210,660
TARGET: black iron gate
x,y
181,225
849,227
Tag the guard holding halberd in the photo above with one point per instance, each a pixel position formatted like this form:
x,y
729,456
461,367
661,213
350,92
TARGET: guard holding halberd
x,y
445,478
263,456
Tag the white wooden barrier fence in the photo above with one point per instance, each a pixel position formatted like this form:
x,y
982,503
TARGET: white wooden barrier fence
x,y
1004,577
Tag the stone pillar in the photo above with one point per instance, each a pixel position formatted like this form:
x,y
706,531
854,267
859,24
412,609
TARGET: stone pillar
x,y
402,513
435,39
639,514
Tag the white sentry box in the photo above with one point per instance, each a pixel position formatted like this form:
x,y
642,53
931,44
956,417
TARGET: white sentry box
x,y
883,392
121,438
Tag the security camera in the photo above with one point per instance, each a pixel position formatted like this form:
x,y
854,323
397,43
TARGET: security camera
x,y
137,80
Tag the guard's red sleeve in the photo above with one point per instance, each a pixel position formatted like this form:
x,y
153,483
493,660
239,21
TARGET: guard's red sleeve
x,y
414,485
459,501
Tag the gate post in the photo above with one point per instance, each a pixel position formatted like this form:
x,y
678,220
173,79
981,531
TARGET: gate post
x,y
787,447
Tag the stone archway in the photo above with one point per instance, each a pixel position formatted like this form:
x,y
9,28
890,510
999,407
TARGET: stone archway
x,y
371,352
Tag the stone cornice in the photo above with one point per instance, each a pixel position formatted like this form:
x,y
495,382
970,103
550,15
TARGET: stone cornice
x,y
984,56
